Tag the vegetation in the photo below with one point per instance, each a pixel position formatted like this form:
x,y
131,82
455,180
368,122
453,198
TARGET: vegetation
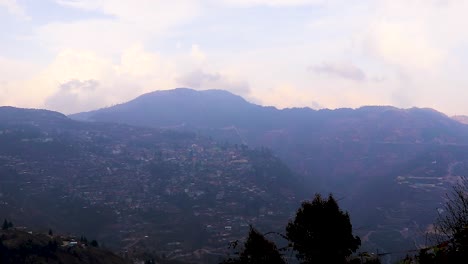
x,y
18,246
257,250
320,233
451,231
453,221
6,225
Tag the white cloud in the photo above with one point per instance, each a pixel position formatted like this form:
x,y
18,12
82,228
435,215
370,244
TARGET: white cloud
x,y
199,79
70,73
344,70
409,52
404,44
139,63
13,82
136,72
274,3
125,23
197,54
14,8
74,95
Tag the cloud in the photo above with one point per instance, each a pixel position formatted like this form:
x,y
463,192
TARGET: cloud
x,y
122,23
74,95
77,80
202,80
364,52
197,53
340,69
14,82
75,86
273,3
86,80
15,9
405,45
137,62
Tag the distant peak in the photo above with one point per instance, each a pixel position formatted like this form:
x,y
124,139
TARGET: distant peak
x,y
184,90
188,93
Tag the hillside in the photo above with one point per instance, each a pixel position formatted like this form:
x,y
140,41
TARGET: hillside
x,y
391,166
18,246
138,188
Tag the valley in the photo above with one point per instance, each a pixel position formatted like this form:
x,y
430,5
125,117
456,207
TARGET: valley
x,y
186,192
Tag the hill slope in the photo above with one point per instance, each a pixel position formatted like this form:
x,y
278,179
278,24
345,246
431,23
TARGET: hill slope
x,y
392,166
21,247
136,188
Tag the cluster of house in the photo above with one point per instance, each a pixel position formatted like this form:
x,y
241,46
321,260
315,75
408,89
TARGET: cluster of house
x,y
138,176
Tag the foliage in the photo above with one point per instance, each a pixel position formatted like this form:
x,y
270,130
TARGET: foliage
x,y
94,243
452,228
454,219
257,250
6,224
321,232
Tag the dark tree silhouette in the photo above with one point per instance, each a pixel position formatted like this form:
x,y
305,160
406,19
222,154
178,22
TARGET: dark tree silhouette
x,y
94,243
6,225
451,228
257,250
321,232
453,220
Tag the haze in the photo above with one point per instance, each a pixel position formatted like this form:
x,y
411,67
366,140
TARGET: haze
x,y
78,55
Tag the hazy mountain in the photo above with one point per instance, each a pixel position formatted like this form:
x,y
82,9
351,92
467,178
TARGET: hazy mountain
x,y
182,107
392,166
138,189
218,109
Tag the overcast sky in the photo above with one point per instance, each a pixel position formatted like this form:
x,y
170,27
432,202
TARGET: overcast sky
x,y
77,55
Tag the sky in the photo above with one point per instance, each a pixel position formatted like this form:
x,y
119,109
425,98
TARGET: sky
x,y
79,55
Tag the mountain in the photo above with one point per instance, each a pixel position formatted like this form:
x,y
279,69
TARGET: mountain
x,y
181,101
139,189
390,166
218,109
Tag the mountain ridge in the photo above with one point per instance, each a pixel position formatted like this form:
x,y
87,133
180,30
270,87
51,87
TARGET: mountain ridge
x,y
215,109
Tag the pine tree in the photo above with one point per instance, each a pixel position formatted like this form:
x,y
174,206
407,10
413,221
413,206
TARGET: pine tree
x,y
5,225
257,250
321,232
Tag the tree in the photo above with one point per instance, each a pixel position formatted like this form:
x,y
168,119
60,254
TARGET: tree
x,y
257,250
321,232
94,243
83,239
453,220
6,225
452,226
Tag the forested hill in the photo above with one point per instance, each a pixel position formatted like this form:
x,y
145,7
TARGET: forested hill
x,y
138,188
